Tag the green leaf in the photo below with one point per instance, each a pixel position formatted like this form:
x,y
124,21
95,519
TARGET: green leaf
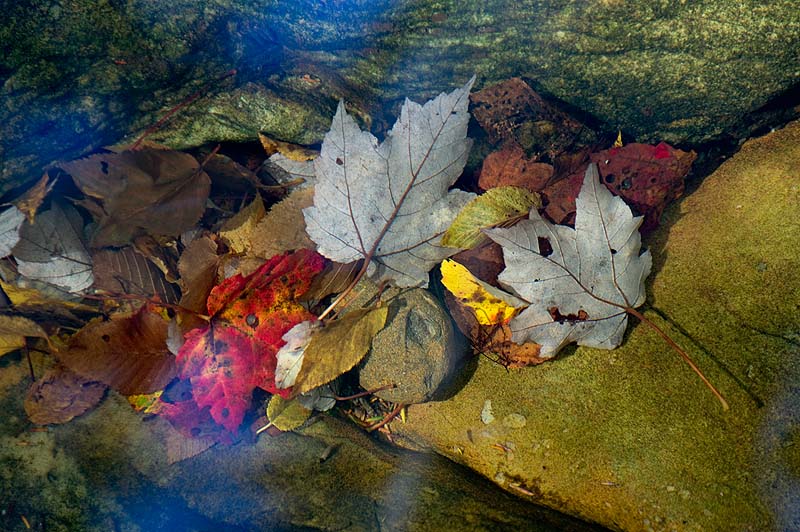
x,y
495,208
286,414
339,347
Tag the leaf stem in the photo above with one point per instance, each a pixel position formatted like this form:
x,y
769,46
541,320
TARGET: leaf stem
x,y
633,312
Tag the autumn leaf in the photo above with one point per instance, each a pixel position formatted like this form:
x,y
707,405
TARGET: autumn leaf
x,y
288,215
238,230
286,414
32,199
490,305
124,271
60,395
128,353
14,330
578,289
389,202
148,191
10,223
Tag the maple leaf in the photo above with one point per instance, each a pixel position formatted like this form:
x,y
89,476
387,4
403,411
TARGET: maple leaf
x,y
226,360
389,202
579,285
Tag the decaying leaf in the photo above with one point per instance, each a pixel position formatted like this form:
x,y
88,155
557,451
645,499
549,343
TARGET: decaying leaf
x,y
10,223
30,202
198,273
287,215
226,360
289,172
295,152
128,353
495,208
510,166
237,231
389,201
124,271
579,285
51,250
60,395
14,330
290,356
339,347
286,414
32,301
489,304
148,191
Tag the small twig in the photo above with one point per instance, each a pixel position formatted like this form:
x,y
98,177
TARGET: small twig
x,y
390,416
188,101
30,362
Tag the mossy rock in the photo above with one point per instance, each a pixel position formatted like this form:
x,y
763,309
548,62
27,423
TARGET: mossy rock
x,y
631,438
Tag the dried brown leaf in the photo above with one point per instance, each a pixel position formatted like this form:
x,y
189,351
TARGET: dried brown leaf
x,y
60,395
283,228
237,231
124,271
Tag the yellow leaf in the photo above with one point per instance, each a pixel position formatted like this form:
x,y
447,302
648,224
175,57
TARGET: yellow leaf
x,y
294,152
286,414
495,208
339,347
618,142
146,403
490,305
14,329
238,230
33,299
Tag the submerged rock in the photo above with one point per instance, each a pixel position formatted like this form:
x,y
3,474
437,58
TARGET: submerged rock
x,y
631,438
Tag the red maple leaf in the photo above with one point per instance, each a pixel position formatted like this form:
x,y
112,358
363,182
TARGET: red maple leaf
x,y
226,360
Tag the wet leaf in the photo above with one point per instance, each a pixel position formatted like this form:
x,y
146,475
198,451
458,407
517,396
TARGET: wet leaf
x,y
286,414
489,304
60,395
51,250
287,215
237,232
294,152
390,201
290,356
495,208
129,352
10,223
14,330
149,191
579,285
124,271
30,202
27,300
509,166
338,347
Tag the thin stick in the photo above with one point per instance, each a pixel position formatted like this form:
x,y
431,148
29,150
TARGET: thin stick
x,y
681,352
188,101
30,362
390,416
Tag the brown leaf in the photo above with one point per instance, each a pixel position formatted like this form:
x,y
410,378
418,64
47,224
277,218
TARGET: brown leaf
x,y
128,353
198,270
14,330
29,202
158,192
237,231
284,228
160,254
333,279
294,152
124,271
485,261
509,166
60,395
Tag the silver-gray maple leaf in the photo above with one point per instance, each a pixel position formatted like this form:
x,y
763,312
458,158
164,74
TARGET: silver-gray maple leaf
x,y
51,250
10,223
392,198
579,290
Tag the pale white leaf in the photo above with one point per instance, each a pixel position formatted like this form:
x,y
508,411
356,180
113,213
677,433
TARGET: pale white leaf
x,y
321,398
51,250
290,356
392,196
578,292
10,223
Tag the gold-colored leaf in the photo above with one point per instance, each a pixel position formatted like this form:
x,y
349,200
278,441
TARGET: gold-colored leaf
x,y
489,304
339,347
25,299
286,414
286,215
294,152
237,232
14,329
495,208
29,202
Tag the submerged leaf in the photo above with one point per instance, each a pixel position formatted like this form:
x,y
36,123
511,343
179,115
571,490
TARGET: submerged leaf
x,y
288,216
51,250
286,414
30,202
489,304
237,231
578,281
290,356
124,271
339,347
60,395
10,223
392,198
14,330
494,208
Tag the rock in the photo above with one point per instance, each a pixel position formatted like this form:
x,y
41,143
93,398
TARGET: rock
x,y
86,73
631,438
417,350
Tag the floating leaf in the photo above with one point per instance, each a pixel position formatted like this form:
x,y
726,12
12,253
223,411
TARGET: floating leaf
x,y
494,208
390,201
286,414
10,223
489,304
149,191
128,352
51,250
339,347
14,330
60,395
237,232
579,285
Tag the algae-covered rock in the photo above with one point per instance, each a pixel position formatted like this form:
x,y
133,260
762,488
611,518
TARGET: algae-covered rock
x,y
82,74
631,438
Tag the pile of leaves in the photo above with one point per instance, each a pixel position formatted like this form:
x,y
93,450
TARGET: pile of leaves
x,y
164,276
